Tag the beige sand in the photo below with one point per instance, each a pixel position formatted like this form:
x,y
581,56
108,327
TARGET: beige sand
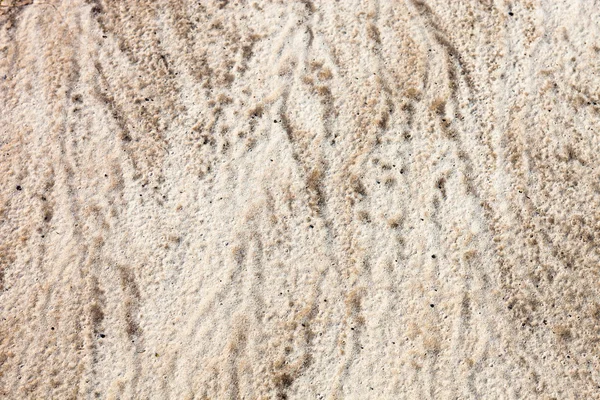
x,y
300,200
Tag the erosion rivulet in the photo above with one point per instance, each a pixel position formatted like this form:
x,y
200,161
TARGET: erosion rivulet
x,y
298,200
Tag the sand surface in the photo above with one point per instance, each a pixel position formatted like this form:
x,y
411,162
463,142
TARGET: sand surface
x,y
300,199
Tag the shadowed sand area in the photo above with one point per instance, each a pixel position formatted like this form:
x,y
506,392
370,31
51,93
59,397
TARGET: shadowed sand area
x,y
299,199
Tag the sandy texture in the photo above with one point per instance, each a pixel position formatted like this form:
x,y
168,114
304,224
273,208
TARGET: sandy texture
x,y
299,200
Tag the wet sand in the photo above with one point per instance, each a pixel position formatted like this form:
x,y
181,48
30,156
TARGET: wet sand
x,y
299,200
